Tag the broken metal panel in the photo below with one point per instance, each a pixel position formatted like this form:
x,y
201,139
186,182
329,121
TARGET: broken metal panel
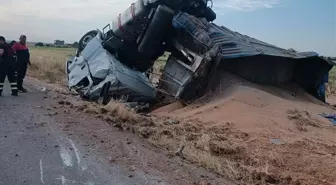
x,y
134,82
194,59
192,32
178,76
181,75
97,58
77,70
175,77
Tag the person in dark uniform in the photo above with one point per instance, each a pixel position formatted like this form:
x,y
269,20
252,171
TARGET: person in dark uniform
x,y
7,66
12,43
23,60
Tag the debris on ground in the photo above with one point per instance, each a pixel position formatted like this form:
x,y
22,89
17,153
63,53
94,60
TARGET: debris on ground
x,y
171,122
330,117
277,141
179,152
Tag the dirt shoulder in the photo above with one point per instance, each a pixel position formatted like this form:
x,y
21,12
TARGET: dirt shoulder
x,y
106,137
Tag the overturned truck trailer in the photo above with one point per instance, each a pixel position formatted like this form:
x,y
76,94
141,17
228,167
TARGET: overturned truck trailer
x,y
247,57
112,62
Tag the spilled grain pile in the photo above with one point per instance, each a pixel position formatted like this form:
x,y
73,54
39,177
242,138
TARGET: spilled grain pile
x,y
256,134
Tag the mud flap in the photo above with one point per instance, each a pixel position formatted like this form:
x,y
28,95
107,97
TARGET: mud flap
x,y
105,93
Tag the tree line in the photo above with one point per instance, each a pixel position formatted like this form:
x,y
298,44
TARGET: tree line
x,y
41,44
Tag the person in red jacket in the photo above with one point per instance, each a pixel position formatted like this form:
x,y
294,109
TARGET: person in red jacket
x,y
23,60
7,66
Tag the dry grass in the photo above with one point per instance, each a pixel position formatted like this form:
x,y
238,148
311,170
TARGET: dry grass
x,y
302,119
214,147
119,109
48,64
116,109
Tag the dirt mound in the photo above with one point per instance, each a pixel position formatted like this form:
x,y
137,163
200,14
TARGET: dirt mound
x,y
256,134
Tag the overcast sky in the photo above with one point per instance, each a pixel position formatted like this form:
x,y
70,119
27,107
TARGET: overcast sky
x,y
306,25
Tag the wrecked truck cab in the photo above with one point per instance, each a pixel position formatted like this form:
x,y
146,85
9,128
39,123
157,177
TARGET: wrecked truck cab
x,y
136,38
96,75
142,33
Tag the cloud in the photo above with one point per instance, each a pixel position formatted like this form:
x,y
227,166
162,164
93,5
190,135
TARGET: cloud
x,y
77,10
46,20
245,5
82,10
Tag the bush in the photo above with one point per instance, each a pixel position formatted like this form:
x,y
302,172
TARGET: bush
x,y
39,44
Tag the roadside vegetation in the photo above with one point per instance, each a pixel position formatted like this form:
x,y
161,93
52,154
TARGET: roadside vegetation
x,y
48,64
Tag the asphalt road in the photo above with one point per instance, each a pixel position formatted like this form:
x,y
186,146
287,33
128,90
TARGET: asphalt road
x,y
35,154
6,91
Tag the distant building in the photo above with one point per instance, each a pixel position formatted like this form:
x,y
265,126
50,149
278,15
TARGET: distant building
x,y
59,42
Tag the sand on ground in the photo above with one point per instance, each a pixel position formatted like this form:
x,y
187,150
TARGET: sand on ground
x,y
267,134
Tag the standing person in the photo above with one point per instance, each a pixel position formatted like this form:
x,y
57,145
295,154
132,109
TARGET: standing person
x,y
323,88
7,66
12,43
23,59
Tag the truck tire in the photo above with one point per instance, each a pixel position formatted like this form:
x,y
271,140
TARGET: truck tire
x,y
157,28
105,93
85,40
